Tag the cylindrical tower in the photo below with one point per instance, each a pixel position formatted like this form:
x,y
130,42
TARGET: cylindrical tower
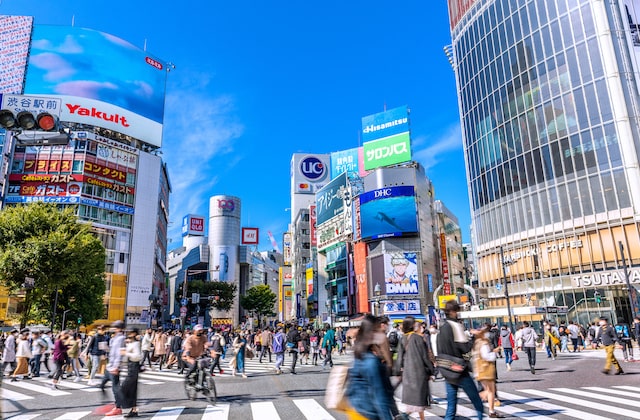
x,y
224,239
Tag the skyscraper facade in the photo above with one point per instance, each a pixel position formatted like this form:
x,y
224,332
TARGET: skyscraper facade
x,y
549,105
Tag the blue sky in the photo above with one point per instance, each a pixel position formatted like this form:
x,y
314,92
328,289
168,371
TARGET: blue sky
x,y
256,81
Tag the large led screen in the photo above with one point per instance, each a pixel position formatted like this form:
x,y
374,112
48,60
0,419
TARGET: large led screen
x,y
387,212
103,80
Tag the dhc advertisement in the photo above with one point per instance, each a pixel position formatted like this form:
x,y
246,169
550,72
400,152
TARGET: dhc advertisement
x,y
387,212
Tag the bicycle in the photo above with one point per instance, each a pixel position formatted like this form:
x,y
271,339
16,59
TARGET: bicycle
x,y
201,381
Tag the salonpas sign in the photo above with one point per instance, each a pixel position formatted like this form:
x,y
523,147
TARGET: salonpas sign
x,y
387,151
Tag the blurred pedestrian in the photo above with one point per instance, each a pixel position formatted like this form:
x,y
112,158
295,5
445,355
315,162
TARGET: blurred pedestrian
x,y
607,335
132,353
529,337
484,366
112,372
60,357
23,355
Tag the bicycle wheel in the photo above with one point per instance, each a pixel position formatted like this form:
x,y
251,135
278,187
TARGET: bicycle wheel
x,y
212,394
190,388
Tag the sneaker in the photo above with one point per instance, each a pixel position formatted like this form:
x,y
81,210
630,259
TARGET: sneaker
x,y
495,415
221,372
620,372
508,367
52,385
77,379
533,370
115,411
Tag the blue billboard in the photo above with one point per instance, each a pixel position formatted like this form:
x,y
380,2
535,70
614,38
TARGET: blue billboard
x,y
387,212
349,161
385,124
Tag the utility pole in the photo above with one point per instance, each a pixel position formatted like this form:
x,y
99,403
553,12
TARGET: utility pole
x,y
626,277
506,288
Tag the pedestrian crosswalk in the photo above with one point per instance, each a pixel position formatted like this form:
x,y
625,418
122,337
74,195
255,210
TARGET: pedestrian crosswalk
x,y
591,402
308,409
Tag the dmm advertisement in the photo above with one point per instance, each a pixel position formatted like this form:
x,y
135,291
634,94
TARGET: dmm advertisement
x,y
401,273
388,212
103,80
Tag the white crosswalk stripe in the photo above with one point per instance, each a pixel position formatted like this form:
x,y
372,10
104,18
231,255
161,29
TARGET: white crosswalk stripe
x,y
312,410
217,412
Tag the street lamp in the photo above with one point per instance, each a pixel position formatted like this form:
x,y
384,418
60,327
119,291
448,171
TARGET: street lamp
x,y
64,318
376,292
506,288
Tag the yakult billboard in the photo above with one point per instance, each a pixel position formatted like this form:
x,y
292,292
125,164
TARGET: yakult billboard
x,y
102,80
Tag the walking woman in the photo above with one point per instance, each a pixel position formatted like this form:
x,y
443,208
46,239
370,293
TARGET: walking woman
x,y
416,367
73,345
239,346
60,357
484,367
23,354
132,352
369,390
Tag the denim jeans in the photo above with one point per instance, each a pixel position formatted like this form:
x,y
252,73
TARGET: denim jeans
x,y
508,355
531,355
95,364
35,364
469,387
279,359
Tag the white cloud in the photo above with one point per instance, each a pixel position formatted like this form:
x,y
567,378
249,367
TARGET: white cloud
x,y
199,134
430,151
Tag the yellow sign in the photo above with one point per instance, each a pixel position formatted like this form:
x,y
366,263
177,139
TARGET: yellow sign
x,y
443,299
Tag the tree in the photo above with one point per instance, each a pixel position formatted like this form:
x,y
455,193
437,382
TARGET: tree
x,y
62,256
260,300
221,293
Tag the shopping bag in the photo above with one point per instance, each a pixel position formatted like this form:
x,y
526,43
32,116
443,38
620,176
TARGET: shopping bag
x,y
515,356
335,397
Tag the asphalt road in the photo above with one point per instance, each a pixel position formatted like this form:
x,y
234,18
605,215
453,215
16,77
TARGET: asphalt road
x,y
570,387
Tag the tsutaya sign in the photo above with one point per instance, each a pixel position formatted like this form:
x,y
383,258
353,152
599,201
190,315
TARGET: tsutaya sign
x,y
606,278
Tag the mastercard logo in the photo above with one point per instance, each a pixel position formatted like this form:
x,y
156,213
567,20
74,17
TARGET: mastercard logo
x,y
304,186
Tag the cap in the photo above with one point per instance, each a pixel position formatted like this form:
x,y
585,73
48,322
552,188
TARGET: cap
x,y
14,330
198,327
118,324
25,331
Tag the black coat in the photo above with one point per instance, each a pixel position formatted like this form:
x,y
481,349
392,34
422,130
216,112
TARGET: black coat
x,y
416,370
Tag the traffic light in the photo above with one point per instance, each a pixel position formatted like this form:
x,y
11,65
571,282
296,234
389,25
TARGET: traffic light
x,y
597,296
26,120
79,320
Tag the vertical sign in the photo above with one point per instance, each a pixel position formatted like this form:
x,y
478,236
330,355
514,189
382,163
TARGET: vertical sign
x,y
445,265
312,226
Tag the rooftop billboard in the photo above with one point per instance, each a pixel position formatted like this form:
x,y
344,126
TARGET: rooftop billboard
x,y
309,173
330,199
102,80
388,212
387,138
349,161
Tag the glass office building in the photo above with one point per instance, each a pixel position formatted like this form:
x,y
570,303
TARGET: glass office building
x,y
549,104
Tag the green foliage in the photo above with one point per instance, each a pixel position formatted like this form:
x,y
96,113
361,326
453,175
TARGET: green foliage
x,y
41,241
224,291
259,299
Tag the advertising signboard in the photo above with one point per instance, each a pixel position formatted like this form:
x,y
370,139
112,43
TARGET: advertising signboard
x,y
401,273
309,279
457,9
446,284
309,173
286,248
388,212
193,225
102,80
312,226
250,236
349,161
330,199
15,37
360,273
385,124
224,263
397,307
387,151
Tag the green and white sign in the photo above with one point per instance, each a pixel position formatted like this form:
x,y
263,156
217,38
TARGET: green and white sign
x,y
387,151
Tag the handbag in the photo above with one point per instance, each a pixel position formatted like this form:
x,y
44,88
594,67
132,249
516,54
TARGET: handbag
x,y
515,356
452,368
335,397
249,353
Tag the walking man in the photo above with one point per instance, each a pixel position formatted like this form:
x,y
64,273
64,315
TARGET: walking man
x,y
529,337
267,340
278,349
112,372
453,342
328,342
609,338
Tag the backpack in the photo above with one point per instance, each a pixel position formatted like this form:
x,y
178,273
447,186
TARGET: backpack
x,y
313,340
622,331
393,338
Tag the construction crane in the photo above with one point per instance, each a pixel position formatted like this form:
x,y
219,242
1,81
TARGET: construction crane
x,y
273,242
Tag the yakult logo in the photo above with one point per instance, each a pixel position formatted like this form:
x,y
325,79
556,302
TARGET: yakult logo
x,y
312,168
386,151
94,113
227,205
